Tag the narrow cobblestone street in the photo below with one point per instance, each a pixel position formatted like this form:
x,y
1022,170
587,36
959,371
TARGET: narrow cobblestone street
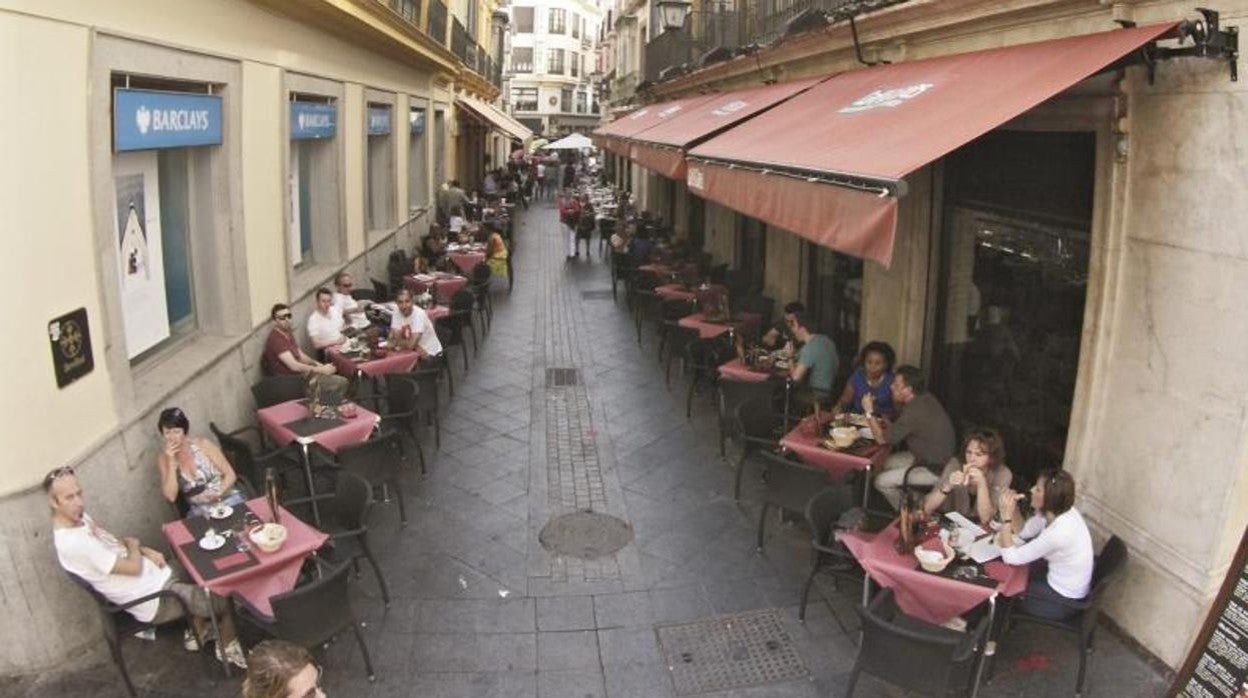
x,y
481,608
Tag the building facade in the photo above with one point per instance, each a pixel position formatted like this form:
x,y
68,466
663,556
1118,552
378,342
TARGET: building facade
x,y
552,61
1070,277
171,177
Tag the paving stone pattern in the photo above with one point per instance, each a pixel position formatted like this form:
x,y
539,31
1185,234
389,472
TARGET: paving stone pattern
x,y
480,609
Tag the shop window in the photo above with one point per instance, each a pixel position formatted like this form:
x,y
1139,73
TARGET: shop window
x,y
524,98
558,21
524,19
313,216
834,301
1013,283
379,169
522,59
417,160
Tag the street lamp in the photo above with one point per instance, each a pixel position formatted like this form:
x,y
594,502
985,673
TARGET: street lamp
x,y
673,13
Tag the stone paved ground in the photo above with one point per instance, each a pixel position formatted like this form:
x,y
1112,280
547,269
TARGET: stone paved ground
x,y
481,609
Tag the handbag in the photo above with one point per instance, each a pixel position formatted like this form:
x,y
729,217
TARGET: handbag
x,y
325,394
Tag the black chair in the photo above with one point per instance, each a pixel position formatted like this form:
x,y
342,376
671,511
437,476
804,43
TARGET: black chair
x,y
788,486
364,294
759,305
678,341
463,303
275,390
398,412
701,366
717,273
480,283
915,655
732,393
249,465
823,512
1105,571
379,461
759,429
427,403
117,623
671,310
642,299
381,290
606,228
622,269
314,613
346,505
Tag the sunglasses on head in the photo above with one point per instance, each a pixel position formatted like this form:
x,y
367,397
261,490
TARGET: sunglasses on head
x,y
283,316
59,472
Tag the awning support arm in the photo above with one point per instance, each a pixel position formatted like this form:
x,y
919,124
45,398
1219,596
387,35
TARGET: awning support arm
x,y
1210,41
880,187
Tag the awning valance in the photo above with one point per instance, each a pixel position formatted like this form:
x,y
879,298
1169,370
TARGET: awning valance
x,y
493,117
662,147
613,136
829,163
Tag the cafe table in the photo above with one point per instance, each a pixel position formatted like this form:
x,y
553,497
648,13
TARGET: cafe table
x,y
737,370
930,597
675,292
661,270
466,259
393,362
252,574
806,441
711,330
290,421
444,284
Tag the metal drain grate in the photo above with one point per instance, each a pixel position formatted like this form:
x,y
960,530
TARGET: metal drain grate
x,y
562,377
746,649
603,295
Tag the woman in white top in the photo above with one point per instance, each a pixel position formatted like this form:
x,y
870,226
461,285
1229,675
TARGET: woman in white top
x,y
1055,541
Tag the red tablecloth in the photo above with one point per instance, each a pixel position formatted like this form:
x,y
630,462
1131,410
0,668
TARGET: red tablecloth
x,y
737,371
675,292
276,572
444,285
710,330
396,362
921,594
804,440
466,261
437,312
353,431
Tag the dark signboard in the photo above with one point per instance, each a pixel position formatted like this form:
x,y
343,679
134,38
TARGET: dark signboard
x,y
70,340
1217,664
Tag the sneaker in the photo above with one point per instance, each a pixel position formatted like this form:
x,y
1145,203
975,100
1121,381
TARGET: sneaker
x,y
190,643
233,654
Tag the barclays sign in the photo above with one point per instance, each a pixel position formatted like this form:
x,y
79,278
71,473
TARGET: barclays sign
x,y
312,120
147,120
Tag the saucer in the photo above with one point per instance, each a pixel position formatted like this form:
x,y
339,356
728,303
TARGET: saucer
x,y
211,543
221,511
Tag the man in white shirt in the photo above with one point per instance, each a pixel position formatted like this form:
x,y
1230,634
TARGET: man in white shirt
x,y
411,328
325,323
352,311
122,570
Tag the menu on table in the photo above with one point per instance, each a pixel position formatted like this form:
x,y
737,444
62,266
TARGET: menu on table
x,y
1217,664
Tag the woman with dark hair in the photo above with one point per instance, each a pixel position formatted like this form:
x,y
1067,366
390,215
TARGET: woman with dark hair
x,y
972,487
280,669
873,374
193,467
1055,541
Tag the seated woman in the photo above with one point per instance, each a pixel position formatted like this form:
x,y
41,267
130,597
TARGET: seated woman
x,y
873,375
193,467
1055,541
280,669
973,488
433,245
496,251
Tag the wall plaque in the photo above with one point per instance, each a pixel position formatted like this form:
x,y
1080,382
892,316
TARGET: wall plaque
x,y
70,339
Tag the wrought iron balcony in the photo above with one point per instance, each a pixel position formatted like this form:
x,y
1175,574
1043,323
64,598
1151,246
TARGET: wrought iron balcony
x,y
437,21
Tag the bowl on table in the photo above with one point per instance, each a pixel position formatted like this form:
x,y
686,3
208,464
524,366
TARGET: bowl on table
x,y
844,437
268,537
934,560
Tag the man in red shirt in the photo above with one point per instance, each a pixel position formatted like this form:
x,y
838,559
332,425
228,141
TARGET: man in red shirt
x,y
282,355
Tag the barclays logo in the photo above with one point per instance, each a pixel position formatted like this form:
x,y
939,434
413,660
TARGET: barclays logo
x,y
143,119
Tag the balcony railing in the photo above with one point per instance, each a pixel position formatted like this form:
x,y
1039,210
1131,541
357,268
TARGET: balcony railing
x,y
409,10
460,44
437,21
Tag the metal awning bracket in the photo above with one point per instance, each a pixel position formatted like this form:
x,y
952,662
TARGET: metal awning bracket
x,y
1209,40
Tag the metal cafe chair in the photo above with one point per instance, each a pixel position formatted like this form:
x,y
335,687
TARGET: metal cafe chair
x,y
758,428
823,512
789,485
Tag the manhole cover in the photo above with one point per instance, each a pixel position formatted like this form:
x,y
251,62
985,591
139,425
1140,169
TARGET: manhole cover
x,y
746,649
597,295
562,377
585,535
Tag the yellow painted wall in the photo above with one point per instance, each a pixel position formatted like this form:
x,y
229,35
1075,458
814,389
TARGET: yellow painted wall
x,y
46,221
351,131
263,196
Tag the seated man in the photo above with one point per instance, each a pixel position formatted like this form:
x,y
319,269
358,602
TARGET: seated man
x,y
923,428
122,570
325,323
779,333
282,355
352,311
816,363
411,328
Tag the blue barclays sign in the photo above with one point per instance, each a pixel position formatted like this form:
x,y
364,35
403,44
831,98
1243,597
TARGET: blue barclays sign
x,y
310,120
378,121
146,120
417,118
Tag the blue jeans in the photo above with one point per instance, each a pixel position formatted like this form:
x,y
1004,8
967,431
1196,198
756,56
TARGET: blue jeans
x,y
1041,600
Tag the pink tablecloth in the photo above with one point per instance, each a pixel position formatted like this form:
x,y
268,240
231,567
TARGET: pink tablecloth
x,y
396,362
277,571
804,440
466,261
710,330
437,312
352,431
675,292
921,594
737,371
444,285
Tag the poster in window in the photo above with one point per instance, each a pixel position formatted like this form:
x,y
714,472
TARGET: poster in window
x,y
139,262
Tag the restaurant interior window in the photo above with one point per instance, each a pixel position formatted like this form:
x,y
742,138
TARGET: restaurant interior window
x,y
522,59
834,293
379,169
524,19
417,160
554,61
313,171
524,98
1014,274
558,21
565,99
752,242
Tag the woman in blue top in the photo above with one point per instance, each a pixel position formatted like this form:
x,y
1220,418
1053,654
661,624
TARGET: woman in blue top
x,y
873,374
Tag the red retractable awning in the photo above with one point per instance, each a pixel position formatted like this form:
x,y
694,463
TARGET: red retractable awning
x,y
662,147
613,134
828,163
